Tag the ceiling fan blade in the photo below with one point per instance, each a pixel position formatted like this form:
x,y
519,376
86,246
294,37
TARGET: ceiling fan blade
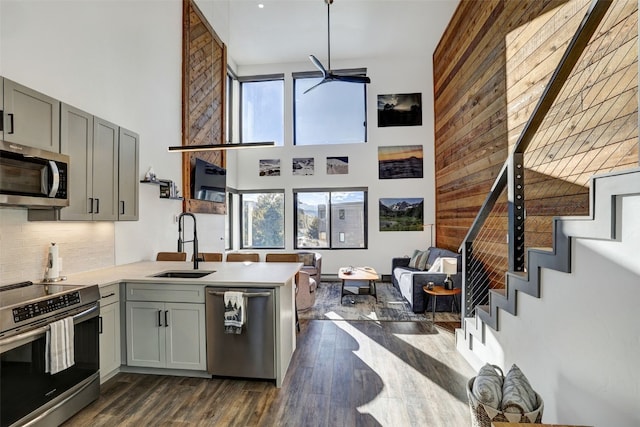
x,y
319,66
325,80
350,79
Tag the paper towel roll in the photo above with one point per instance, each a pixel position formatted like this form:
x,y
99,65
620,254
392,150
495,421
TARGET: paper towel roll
x,y
53,265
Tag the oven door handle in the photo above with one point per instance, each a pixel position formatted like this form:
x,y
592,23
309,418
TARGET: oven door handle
x,y
41,330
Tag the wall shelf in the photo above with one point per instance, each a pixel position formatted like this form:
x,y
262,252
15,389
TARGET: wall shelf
x,y
158,182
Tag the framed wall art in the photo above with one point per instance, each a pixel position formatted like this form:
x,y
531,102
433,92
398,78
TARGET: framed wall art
x,y
269,167
401,214
403,109
337,165
401,161
303,166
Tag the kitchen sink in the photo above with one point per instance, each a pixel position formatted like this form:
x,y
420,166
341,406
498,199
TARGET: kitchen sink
x,y
184,274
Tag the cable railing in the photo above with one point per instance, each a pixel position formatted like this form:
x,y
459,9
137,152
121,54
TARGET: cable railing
x,y
554,146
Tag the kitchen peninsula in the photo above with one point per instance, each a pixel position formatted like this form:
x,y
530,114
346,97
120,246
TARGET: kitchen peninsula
x,y
134,287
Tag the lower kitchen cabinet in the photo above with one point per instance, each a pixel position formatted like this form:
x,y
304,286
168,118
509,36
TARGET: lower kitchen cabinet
x,y
109,331
166,335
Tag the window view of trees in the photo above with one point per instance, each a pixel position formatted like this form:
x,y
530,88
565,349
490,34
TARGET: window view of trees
x,y
262,220
311,219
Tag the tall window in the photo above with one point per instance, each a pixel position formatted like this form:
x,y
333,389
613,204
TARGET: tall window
x,y
332,113
262,108
262,221
334,219
228,223
231,77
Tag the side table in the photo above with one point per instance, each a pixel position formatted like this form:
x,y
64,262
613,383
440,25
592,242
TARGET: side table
x,y
440,291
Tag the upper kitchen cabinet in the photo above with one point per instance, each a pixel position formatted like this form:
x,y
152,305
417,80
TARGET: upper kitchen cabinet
x,y
29,117
1,108
105,170
92,146
128,149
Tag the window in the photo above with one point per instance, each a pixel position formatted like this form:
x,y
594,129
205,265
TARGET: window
x,y
231,78
332,219
262,220
332,113
228,223
262,109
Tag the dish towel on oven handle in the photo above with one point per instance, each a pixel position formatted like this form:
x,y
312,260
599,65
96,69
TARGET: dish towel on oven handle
x,y
234,314
59,353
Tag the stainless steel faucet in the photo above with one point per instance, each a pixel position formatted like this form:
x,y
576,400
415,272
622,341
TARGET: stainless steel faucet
x,y
181,240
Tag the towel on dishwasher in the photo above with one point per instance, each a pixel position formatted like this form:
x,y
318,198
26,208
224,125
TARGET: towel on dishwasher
x,y
233,312
59,352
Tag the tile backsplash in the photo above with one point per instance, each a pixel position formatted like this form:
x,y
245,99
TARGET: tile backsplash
x,y
24,246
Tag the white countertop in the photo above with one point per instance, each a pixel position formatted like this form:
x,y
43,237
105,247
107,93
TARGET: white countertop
x,y
226,273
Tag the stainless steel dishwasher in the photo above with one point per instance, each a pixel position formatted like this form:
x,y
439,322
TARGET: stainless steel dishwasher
x,y
250,354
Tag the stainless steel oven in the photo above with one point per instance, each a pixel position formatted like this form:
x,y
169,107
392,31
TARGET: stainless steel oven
x,y
28,394
32,177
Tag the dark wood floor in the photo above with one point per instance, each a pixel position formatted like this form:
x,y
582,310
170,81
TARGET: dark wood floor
x,y
343,373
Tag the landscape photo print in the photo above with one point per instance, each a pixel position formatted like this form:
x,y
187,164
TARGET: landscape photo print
x,y
401,161
401,214
402,109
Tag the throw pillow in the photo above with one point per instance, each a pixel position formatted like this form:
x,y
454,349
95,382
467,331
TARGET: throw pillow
x,y
307,259
419,259
517,391
487,386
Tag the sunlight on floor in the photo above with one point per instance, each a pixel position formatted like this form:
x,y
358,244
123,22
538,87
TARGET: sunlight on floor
x,y
397,377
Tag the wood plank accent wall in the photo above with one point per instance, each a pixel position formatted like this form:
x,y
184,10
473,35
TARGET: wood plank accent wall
x,y
490,68
204,72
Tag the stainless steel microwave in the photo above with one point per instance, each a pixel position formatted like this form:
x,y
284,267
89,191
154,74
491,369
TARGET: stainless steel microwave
x,y
32,177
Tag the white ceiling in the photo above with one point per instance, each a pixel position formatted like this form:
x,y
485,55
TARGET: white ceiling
x,y
286,31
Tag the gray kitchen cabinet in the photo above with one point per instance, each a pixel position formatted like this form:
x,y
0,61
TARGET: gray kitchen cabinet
x,y
128,152
109,331
105,170
2,108
165,326
29,117
92,145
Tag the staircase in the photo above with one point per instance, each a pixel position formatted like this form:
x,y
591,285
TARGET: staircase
x,y
599,224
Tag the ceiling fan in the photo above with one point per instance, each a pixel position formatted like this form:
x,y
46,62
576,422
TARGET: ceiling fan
x,y
327,74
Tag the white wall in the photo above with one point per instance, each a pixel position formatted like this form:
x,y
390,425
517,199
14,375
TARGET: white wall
x,y
120,60
400,75
579,343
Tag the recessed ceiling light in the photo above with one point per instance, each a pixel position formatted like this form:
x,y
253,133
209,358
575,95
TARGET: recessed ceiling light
x,y
261,6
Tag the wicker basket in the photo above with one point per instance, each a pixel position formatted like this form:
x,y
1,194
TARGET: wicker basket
x,y
483,415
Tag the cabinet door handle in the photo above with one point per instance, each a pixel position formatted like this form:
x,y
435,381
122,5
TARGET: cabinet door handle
x,y
166,318
159,318
122,207
1,120
100,325
90,204
97,205
10,122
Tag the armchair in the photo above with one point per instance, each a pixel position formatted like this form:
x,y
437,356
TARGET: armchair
x,y
306,292
312,264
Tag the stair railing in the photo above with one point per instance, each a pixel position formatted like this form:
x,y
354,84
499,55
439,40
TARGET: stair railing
x,y
511,177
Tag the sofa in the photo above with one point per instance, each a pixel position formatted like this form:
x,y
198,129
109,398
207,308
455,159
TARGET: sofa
x,y
410,280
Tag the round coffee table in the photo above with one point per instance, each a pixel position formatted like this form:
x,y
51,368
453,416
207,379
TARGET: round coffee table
x,y
440,291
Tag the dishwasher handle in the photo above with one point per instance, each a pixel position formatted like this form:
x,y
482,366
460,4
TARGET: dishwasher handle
x,y
244,294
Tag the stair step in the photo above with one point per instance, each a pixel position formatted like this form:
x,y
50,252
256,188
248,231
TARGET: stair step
x,y
600,224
